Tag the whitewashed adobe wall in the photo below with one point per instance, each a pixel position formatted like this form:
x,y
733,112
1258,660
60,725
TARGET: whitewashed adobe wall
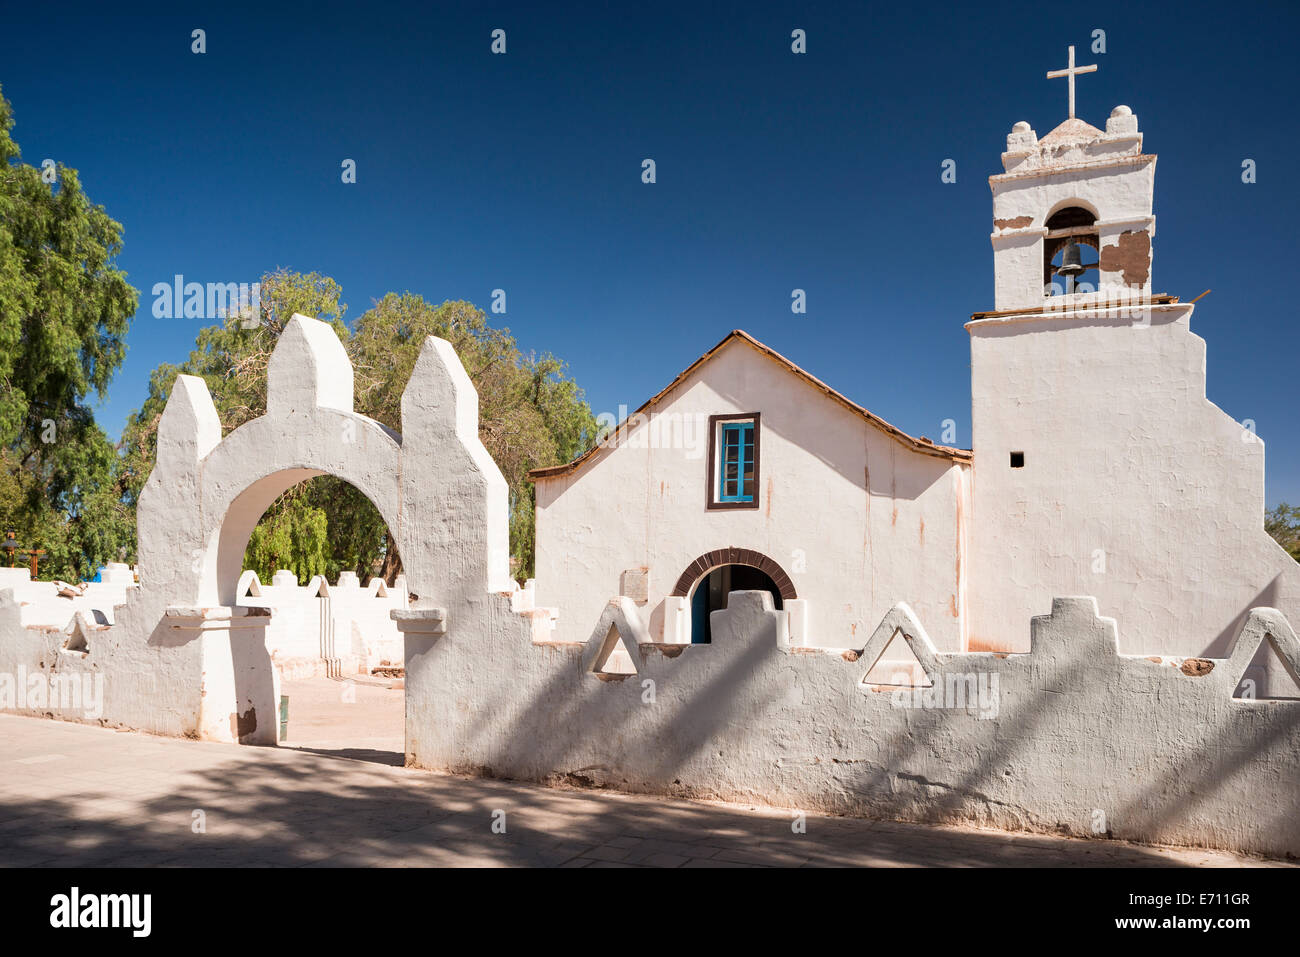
x,y
856,520
1065,738
1156,744
1135,488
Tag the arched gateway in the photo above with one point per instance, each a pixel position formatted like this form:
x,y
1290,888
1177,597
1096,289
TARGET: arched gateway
x,y
436,486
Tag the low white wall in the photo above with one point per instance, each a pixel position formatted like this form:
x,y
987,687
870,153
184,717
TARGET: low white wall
x,y
1070,737
42,605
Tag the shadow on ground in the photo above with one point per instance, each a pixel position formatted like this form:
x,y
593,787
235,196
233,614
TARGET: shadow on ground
x,y
277,807
371,755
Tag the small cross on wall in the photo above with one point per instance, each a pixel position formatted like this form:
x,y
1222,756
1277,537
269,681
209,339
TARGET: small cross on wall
x,y
1070,72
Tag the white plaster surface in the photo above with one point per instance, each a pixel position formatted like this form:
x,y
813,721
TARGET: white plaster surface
x,y
1076,164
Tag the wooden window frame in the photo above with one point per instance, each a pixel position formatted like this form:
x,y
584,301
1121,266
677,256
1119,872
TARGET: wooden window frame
x,y
712,489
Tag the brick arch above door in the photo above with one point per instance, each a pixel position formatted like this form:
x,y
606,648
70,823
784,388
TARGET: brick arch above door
x,y
733,556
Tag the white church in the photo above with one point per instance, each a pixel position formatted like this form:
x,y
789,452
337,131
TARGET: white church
x,y
1098,466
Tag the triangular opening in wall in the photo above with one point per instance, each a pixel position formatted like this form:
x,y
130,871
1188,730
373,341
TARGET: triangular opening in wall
x,y
897,666
1267,677
77,640
614,657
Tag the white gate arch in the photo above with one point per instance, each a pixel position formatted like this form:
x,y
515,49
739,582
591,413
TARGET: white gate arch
x,y
441,494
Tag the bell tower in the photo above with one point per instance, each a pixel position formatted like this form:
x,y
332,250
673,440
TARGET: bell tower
x,y
1072,212
1100,466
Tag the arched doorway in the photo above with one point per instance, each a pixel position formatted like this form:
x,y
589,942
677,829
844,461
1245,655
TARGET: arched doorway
x,y
714,575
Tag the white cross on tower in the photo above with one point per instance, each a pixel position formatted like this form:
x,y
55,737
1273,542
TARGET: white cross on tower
x,y
1071,71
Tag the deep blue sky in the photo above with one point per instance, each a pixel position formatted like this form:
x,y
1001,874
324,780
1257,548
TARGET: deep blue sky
x,y
775,171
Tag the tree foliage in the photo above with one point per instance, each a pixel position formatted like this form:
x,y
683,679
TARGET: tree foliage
x,y
1283,523
64,312
296,538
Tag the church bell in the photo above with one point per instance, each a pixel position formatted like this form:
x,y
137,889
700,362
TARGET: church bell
x,y
1072,262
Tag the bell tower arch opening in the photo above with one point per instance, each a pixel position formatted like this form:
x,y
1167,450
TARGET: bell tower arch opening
x,y
1071,252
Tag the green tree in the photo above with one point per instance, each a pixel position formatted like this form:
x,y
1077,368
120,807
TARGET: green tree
x,y
64,312
1283,523
295,537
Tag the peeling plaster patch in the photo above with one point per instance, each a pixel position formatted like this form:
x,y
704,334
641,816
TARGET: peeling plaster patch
x,y
577,779
242,725
1016,222
850,655
1197,667
1131,257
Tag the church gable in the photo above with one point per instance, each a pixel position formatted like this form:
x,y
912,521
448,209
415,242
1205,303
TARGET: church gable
x,y
739,369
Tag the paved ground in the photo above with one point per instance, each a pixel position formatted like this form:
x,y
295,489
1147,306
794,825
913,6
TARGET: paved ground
x,y
358,714
76,795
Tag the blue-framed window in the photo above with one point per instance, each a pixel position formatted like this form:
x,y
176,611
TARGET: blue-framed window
x,y
736,462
